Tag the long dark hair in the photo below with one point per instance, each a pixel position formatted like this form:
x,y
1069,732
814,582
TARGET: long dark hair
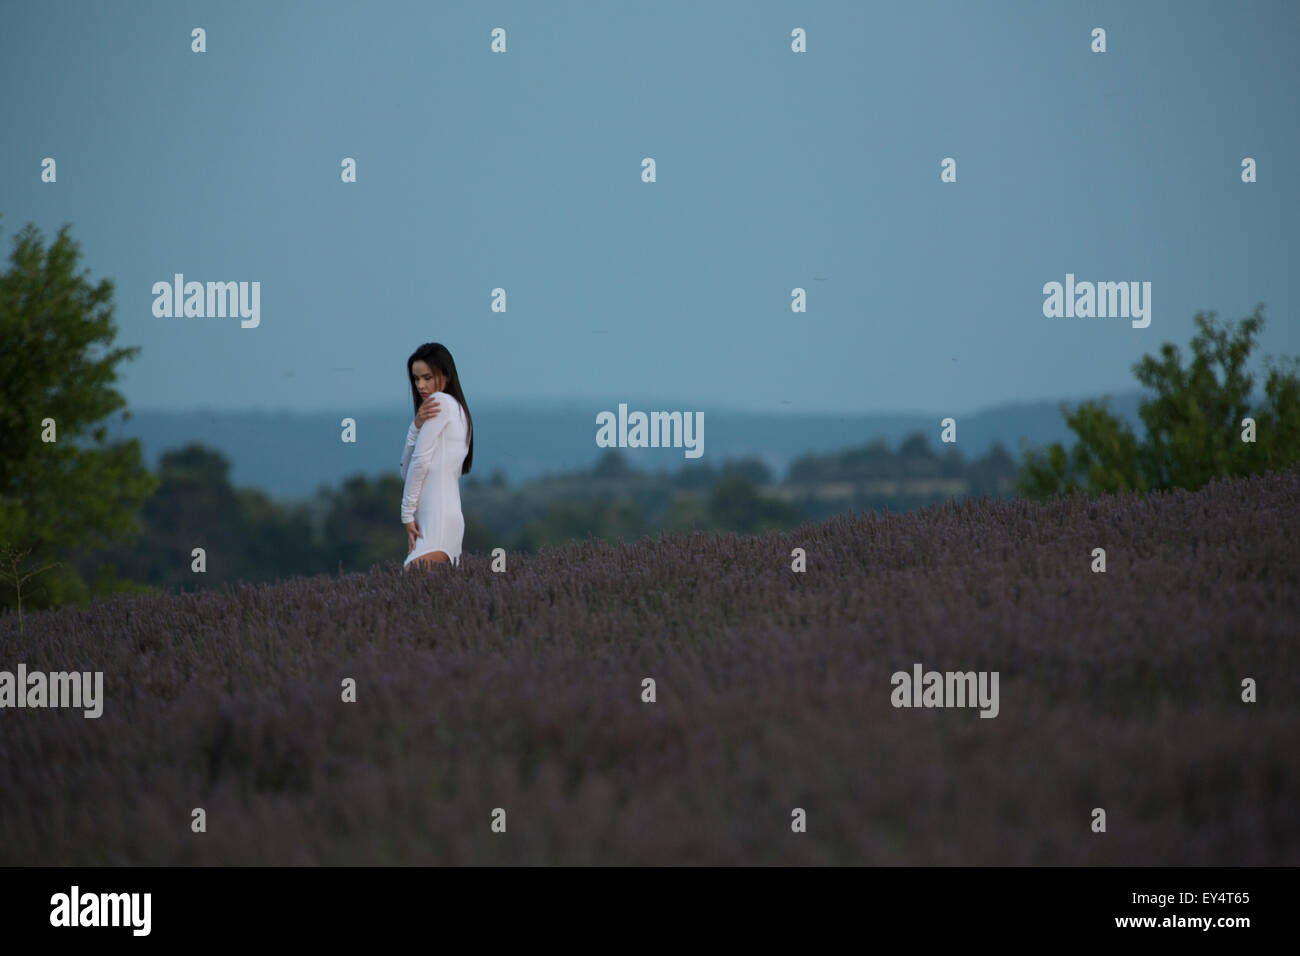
x,y
436,356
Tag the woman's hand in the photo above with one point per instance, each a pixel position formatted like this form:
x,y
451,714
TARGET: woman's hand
x,y
412,532
428,409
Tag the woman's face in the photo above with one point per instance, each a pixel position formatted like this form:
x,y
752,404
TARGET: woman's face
x,y
427,380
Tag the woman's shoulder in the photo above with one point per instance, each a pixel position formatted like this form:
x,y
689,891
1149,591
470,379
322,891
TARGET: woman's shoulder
x,y
450,401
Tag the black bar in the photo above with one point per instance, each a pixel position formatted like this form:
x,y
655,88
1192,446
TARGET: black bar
x,y
338,906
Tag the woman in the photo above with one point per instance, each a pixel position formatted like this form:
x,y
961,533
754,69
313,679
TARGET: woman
x,y
439,449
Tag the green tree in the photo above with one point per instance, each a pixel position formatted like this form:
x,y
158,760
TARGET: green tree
x,y
563,521
362,523
736,505
874,460
194,506
917,458
1193,424
686,512
278,539
479,538
698,475
988,474
63,490
753,468
612,464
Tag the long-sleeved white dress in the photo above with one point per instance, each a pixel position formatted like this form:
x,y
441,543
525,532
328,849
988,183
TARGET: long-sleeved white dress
x,y
431,464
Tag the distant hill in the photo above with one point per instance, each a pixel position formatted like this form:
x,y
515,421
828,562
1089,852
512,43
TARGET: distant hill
x,y
289,455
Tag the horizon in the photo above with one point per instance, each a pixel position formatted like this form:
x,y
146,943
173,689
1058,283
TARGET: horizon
x,y
525,441
554,403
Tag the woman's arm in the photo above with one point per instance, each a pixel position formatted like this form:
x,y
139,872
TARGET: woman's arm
x,y
428,410
410,446
426,440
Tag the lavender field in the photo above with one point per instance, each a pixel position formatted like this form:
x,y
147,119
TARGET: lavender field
x,y
522,691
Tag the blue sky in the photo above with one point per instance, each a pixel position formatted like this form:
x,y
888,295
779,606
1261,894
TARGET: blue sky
x,y
775,170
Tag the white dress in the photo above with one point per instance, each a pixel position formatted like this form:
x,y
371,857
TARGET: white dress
x,y
431,464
